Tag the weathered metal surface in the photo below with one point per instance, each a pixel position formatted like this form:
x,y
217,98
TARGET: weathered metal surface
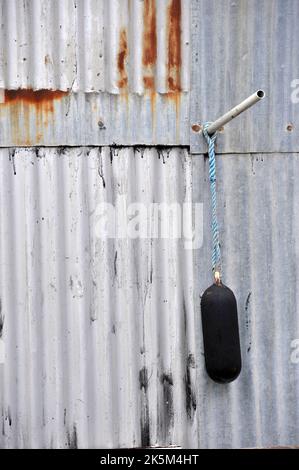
x,y
259,223
74,119
239,47
98,334
122,63
103,342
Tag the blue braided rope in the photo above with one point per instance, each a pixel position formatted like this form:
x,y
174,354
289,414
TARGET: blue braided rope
x,y
216,253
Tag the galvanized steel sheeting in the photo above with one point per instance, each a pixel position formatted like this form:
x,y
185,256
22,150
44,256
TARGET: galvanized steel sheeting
x,y
97,334
85,45
237,48
123,67
259,223
103,342
100,342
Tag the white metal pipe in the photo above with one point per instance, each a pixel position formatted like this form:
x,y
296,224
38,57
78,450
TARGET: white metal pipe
x,y
250,101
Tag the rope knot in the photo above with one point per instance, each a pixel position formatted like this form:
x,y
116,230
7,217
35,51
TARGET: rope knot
x,y
209,138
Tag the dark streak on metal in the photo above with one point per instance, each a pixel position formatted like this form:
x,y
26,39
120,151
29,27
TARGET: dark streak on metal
x,y
1,319
115,264
3,424
247,301
161,153
143,379
64,416
72,438
100,168
8,417
40,153
247,319
11,157
144,419
190,393
111,155
151,273
140,150
185,317
167,396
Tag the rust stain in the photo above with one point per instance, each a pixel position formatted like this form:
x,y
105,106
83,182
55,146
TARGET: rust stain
x,y
196,127
174,46
175,98
39,98
47,60
149,53
26,105
149,83
121,59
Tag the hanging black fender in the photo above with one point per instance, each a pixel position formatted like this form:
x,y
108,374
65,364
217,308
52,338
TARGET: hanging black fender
x,y
221,333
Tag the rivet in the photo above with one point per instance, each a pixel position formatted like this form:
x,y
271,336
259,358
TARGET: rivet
x,y
196,127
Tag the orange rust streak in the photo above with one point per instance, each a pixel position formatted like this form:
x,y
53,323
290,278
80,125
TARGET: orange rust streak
x,y
149,46
149,56
38,97
22,103
174,46
149,53
149,83
121,59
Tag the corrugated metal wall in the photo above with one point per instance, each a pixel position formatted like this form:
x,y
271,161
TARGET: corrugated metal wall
x,y
103,342
118,80
240,47
98,334
100,340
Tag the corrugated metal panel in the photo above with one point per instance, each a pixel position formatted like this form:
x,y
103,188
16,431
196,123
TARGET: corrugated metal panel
x,y
121,65
258,212
54,119
98,334
103,342
236,49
